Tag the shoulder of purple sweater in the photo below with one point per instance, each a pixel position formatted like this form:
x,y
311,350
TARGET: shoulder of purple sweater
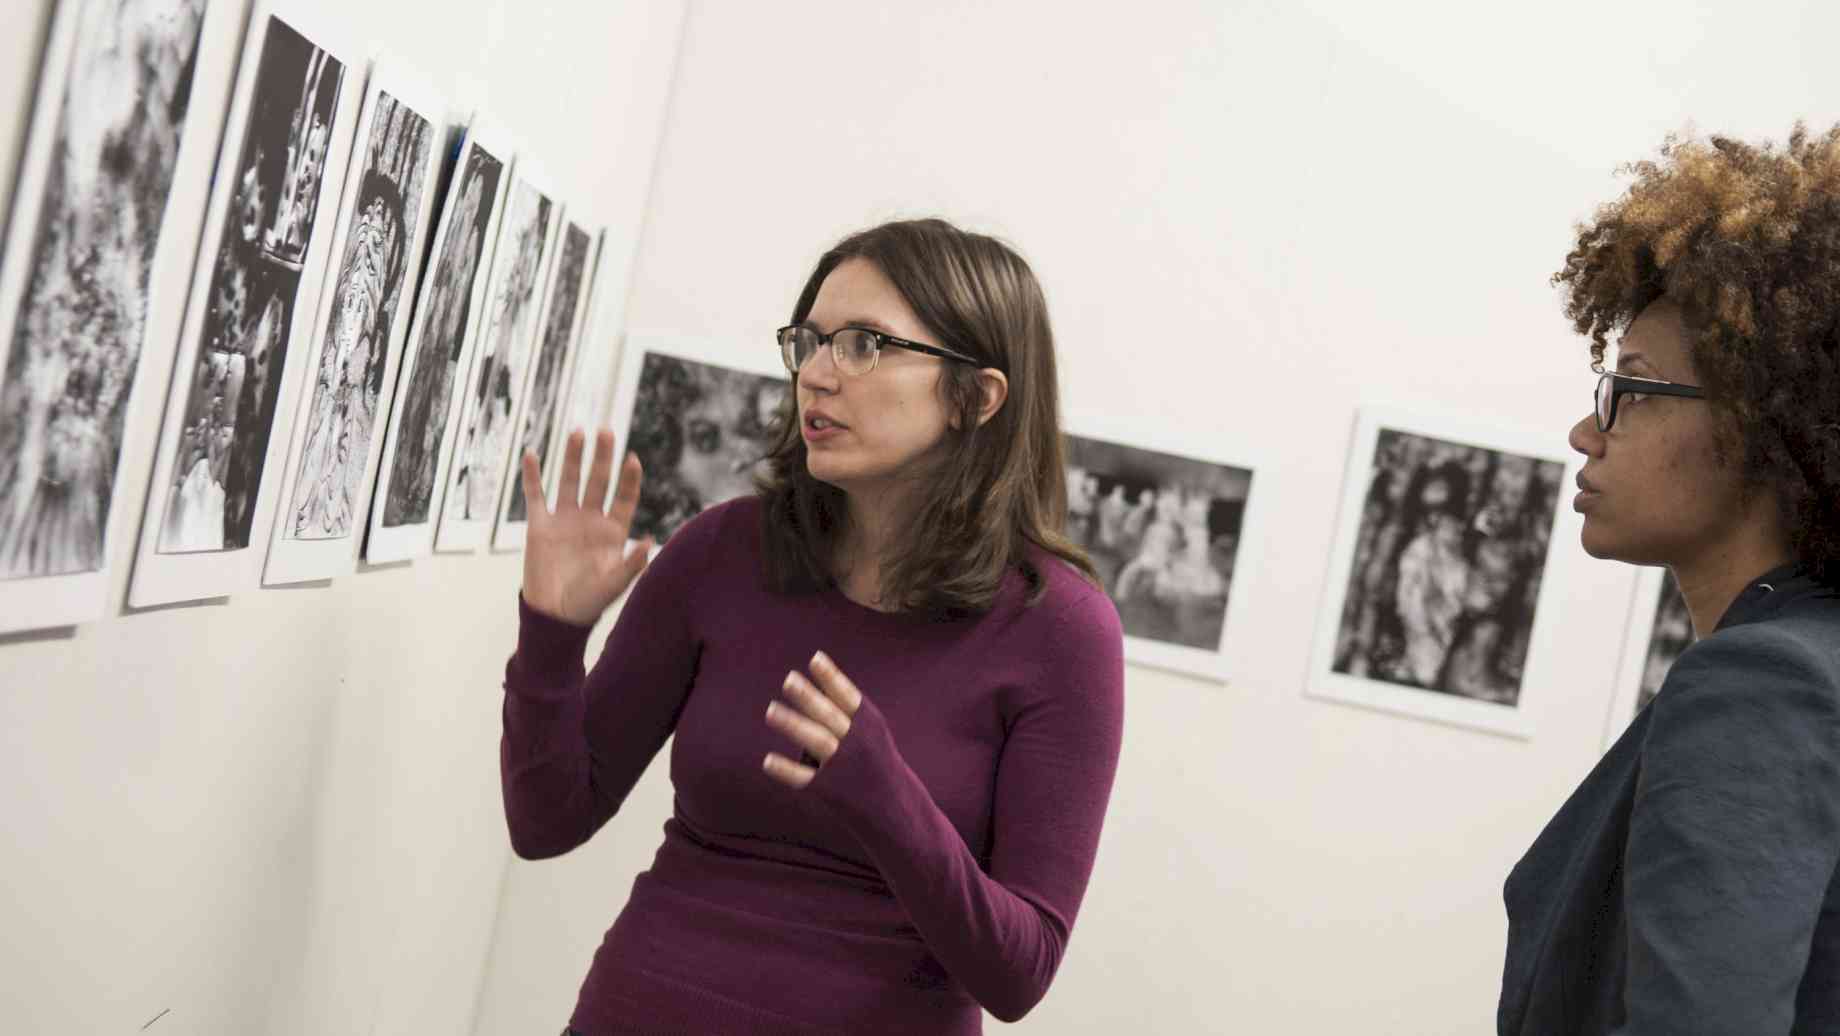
x,y
1072,613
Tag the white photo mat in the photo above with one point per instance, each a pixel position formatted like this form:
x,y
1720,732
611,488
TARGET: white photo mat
x,y
1191,445
51,599
509,533
415,538
1322,681
455,533
760,360
170,577
295,560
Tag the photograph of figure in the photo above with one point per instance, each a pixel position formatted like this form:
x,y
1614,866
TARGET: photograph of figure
x,y
558,340
257,263
369,289
1164,532
74,353
701,430
419,415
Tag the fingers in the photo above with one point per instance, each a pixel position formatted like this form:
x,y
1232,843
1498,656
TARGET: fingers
x,y
816,705
600,472
787,772
626,494
533,487
802,730
836,686
568,488
638,555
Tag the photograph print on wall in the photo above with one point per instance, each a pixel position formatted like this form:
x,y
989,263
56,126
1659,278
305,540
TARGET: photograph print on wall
x,y
101,240
250,312
1660,629
539,424
1437,571
514,293
446,323
360,328
591,370
1165,532
699,425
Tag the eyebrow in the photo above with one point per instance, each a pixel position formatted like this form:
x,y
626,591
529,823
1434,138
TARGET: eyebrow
x,y
1625,360
869,322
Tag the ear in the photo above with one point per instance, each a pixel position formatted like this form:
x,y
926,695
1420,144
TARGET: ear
x,y
993,385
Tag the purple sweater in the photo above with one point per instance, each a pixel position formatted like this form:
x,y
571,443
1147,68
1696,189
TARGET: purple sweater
x,y
936,863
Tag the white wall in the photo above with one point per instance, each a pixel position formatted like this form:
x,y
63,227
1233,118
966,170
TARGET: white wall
x,y
1250,218
281,815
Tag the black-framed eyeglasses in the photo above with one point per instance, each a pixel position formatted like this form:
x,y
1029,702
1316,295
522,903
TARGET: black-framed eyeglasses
x,y
856,349
1612,387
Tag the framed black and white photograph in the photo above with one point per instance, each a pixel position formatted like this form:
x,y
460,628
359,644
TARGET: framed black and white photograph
x,y
591,372
1166,529
1660,628
698,415
1437,570
514,296
359,331
447,324
539,423
262,261
93,276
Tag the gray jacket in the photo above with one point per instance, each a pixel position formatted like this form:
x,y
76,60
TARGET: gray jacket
x,y
1688,886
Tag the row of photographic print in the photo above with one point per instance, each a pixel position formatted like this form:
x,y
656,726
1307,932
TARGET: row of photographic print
x,y
324,404
319,407
1436,570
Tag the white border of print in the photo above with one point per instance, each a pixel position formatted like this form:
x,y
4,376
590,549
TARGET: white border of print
x,y
299,561
508,534
682,347
463,536
1644,600
404,542
47,601
1183,441
169,578
1322,682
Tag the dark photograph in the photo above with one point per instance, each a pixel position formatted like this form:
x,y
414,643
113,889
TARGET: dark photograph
x,y
447,303
1672,634
368,294
1163,532
77,337
1448,559
235,384
546,380
700,431
517,264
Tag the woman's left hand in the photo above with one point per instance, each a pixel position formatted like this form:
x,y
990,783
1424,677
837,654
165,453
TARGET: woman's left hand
x,y
815,716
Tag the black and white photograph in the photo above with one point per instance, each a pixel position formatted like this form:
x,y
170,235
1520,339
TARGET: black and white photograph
x,y
700,427
519,263
360,329
1441,557
367,300
113,113
591,368
561,323
249,319
1164,531
446,322
1660,630
237,379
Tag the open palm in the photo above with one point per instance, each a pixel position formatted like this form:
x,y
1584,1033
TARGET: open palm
x,y
576,561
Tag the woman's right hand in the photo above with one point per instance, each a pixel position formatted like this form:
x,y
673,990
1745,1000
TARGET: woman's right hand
x,y
576,561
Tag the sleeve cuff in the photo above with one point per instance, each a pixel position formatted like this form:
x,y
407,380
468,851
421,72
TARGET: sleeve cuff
x,y
853,781
549,654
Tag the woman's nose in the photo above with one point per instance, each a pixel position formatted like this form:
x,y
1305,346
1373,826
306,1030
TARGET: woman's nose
x,y
820,373
1585,437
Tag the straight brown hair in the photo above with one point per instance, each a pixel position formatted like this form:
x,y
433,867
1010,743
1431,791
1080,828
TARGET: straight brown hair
x,y
1001,486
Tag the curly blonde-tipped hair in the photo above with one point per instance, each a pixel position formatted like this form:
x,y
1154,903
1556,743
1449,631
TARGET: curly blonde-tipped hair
x,y
1745,238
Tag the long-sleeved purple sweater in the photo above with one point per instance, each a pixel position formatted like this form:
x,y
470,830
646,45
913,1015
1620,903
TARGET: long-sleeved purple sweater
x,y
934,865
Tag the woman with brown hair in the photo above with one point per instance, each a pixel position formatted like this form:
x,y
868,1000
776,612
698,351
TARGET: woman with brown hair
x,y
896,690
1690,885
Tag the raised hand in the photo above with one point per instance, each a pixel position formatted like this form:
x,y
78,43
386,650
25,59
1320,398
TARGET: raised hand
x,y
576,561
815,716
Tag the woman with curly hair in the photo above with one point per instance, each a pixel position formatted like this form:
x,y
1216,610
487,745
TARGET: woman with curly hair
x,y
895,687
1689,885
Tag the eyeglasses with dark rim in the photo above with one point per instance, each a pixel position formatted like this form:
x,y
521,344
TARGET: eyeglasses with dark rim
x,y
856,349
1612,387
